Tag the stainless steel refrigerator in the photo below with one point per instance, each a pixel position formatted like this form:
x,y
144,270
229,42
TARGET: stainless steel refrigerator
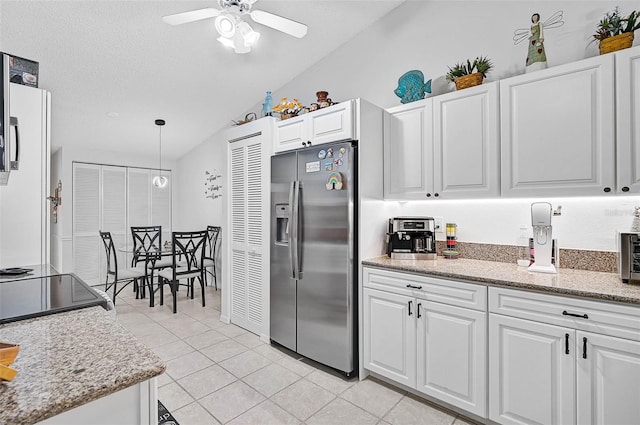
x,y
313,252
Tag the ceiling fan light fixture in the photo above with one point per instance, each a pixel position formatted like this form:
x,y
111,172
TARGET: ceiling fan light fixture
x,y
227,42
225,25
249,36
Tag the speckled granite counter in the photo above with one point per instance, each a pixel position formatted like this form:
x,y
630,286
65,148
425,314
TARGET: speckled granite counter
x,y
69,359
580,283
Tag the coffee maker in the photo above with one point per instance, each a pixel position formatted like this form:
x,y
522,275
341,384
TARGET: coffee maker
x,y
411,238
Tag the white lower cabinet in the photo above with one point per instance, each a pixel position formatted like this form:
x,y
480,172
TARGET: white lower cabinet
x,y
545,373
436,348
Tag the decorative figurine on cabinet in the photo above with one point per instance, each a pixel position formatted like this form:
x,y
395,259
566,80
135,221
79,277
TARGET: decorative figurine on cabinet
x,y
411,86
536,55
267,105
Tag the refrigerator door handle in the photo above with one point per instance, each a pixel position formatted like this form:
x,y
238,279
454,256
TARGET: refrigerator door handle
x,y
290,227
14,165
295,207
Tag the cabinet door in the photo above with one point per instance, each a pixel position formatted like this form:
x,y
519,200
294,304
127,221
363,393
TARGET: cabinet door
x,y
557,130
532,378
608,380
88,250
628,119
331,124
389,335
466,150
452,355
408,151
290,134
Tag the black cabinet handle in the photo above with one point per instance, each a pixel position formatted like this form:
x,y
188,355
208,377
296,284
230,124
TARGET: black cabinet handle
x,y
428,195
566,343
584,347
607,189
419,315
565,313
309,143
413,286
304,144
410,308
436,194
625,189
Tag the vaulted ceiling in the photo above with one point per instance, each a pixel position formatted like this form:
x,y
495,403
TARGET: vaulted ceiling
x,y
113,67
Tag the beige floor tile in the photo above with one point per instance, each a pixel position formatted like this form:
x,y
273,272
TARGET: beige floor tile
x,y
265,413
271,379
213,323
331,382
173,350
269,352
373,396
164,379
231,401
159,338
245,363
464,421
194,414
206,381
205,339
411,410
185,327
146,327
129,317
249,339
295,366
342,412
231,331
223,350
187,364
173,396
303,399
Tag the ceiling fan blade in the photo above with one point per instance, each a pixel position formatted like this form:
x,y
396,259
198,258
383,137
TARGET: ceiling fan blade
x,y
194,15
279,23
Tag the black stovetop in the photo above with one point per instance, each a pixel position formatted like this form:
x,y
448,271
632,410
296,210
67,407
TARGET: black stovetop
x,y
40,296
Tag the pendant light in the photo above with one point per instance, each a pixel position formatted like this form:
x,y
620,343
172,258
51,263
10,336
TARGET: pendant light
x,y
160,181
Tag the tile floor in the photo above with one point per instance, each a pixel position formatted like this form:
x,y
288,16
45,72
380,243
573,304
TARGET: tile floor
x,y
218,374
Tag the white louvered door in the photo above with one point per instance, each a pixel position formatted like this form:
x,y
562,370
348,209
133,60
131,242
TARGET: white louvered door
x,y
114,205
139,201
249,259
87,250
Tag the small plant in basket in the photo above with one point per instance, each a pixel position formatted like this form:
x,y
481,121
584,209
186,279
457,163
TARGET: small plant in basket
x,y
288,109
615,32
470,73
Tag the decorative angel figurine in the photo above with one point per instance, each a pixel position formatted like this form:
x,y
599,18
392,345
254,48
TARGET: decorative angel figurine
x,y
536,55
635,224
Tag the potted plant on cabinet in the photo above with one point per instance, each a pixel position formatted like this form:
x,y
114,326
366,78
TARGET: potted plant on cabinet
x,y
615,32
469,74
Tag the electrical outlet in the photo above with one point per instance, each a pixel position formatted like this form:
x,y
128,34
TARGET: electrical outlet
x,y
439,224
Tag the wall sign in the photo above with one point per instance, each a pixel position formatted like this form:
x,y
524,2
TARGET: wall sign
x,y
212,184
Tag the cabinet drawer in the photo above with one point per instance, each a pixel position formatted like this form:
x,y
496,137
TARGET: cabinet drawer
x,y
594,316
444,291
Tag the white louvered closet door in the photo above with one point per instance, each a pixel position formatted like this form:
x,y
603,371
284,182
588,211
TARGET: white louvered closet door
x,y
87,247
114,219
249,271
139,201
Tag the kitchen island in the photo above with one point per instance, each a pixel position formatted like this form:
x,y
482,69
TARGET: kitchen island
x,y
80,366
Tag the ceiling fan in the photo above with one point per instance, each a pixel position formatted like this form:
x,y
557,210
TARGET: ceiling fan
x,y
234,31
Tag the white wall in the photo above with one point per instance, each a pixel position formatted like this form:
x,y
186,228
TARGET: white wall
x,y
432,35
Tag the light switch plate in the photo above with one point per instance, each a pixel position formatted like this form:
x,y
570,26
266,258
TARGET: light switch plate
x,y
439,224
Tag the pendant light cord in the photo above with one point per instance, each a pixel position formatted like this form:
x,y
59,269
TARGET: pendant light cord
x,y
160,152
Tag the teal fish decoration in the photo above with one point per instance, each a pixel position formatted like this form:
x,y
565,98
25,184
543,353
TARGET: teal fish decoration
x,y
411,86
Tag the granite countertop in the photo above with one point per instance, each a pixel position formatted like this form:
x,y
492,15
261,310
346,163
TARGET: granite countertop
x,y
580,283
69,359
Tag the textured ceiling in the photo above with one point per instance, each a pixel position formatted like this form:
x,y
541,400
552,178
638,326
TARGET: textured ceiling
x,y
99,57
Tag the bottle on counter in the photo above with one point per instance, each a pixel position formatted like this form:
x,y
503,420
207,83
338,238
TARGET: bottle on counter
x,y
523,253
451,250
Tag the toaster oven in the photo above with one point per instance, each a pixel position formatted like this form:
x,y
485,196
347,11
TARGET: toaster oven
x,y
629,256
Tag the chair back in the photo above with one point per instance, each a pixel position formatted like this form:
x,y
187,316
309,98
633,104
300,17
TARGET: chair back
x,y
212,240
144,239
112,258
190,247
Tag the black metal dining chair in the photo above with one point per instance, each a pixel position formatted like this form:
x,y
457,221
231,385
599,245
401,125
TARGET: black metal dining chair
x,y
116,276
210,254
147,244
188,249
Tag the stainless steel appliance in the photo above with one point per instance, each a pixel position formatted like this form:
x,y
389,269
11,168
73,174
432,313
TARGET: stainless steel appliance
x,y
412,238
6,122
629,256
313,251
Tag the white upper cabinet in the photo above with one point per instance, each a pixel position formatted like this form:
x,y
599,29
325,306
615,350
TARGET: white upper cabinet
x,y
466,143
557,130
408,151
322,126
628,119
444,147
